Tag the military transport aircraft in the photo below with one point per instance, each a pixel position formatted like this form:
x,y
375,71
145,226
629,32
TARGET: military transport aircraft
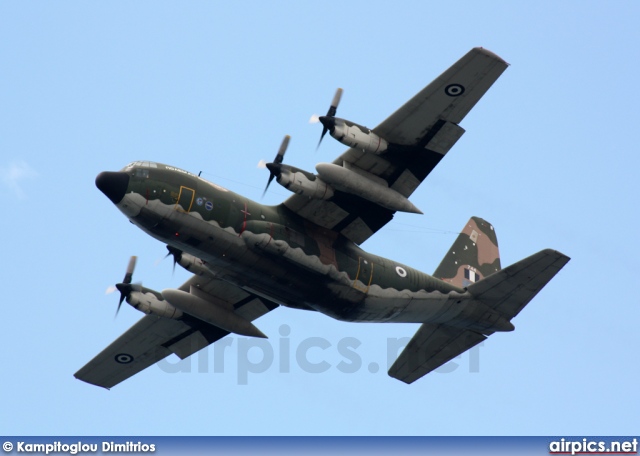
x,y
247,258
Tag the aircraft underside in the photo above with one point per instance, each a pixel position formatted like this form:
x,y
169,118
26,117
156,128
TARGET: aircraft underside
x,y
255,261
247,258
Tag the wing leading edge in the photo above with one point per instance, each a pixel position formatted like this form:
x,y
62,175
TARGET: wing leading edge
x,y
420,132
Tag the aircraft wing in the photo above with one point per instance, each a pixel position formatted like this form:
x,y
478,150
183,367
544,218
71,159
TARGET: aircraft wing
x,y
422,130
431,347
154,338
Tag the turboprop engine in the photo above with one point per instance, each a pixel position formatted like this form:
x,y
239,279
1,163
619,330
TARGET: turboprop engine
x,y
354,135
175,303
349,133
334,177
295,179
300,182
189,262
147,302
143,299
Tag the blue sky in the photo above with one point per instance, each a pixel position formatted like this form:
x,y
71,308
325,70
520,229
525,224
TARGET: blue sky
x,y
549,157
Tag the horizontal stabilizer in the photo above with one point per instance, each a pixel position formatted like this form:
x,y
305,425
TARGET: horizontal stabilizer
x,y
509,290
431,347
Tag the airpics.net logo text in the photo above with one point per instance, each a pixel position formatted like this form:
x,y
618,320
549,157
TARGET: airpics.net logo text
x,y
590,446
314,355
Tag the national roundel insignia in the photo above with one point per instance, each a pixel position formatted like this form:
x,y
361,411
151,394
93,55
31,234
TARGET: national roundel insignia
x,y
199,201
454,90
208,205
123,358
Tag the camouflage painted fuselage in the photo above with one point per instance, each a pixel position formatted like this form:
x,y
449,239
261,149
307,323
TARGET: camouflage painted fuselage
x,y
304,253
273,252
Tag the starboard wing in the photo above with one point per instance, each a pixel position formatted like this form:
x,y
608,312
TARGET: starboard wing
x,y
422,131
154,338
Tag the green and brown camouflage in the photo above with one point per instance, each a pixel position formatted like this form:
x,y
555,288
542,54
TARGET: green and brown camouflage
x,y
473,256
248,258
278,254
178,192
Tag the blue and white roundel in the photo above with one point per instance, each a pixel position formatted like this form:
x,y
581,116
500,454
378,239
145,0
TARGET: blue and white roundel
x,y
208,205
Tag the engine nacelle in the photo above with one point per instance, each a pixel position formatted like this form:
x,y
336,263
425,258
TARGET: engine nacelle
x,y
193,264
303,183
147,302
357,136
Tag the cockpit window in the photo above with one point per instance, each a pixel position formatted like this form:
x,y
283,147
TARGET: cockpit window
x,y
142,173
142,164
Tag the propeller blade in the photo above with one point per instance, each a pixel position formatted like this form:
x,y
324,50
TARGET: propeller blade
x,y
282,150
324,132
271,176
125,287
334,103
130,267
330,113
177,256
122,296
276,161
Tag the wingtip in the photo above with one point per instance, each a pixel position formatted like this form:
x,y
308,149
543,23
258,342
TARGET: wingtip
x,y
493,55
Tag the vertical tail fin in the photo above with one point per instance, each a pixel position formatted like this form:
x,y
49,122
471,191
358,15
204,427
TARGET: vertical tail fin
x,y
473,256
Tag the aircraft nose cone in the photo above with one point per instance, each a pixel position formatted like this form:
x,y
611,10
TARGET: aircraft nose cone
x,y
113,185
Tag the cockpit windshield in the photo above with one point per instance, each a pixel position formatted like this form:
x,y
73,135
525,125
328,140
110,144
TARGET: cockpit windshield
x,y
140,164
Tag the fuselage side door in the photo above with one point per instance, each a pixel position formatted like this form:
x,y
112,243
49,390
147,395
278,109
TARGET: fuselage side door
x,y
185,199
362,282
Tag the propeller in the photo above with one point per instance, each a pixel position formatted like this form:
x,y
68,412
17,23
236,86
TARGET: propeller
x,y
275,165
327,121
177,256
126,287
